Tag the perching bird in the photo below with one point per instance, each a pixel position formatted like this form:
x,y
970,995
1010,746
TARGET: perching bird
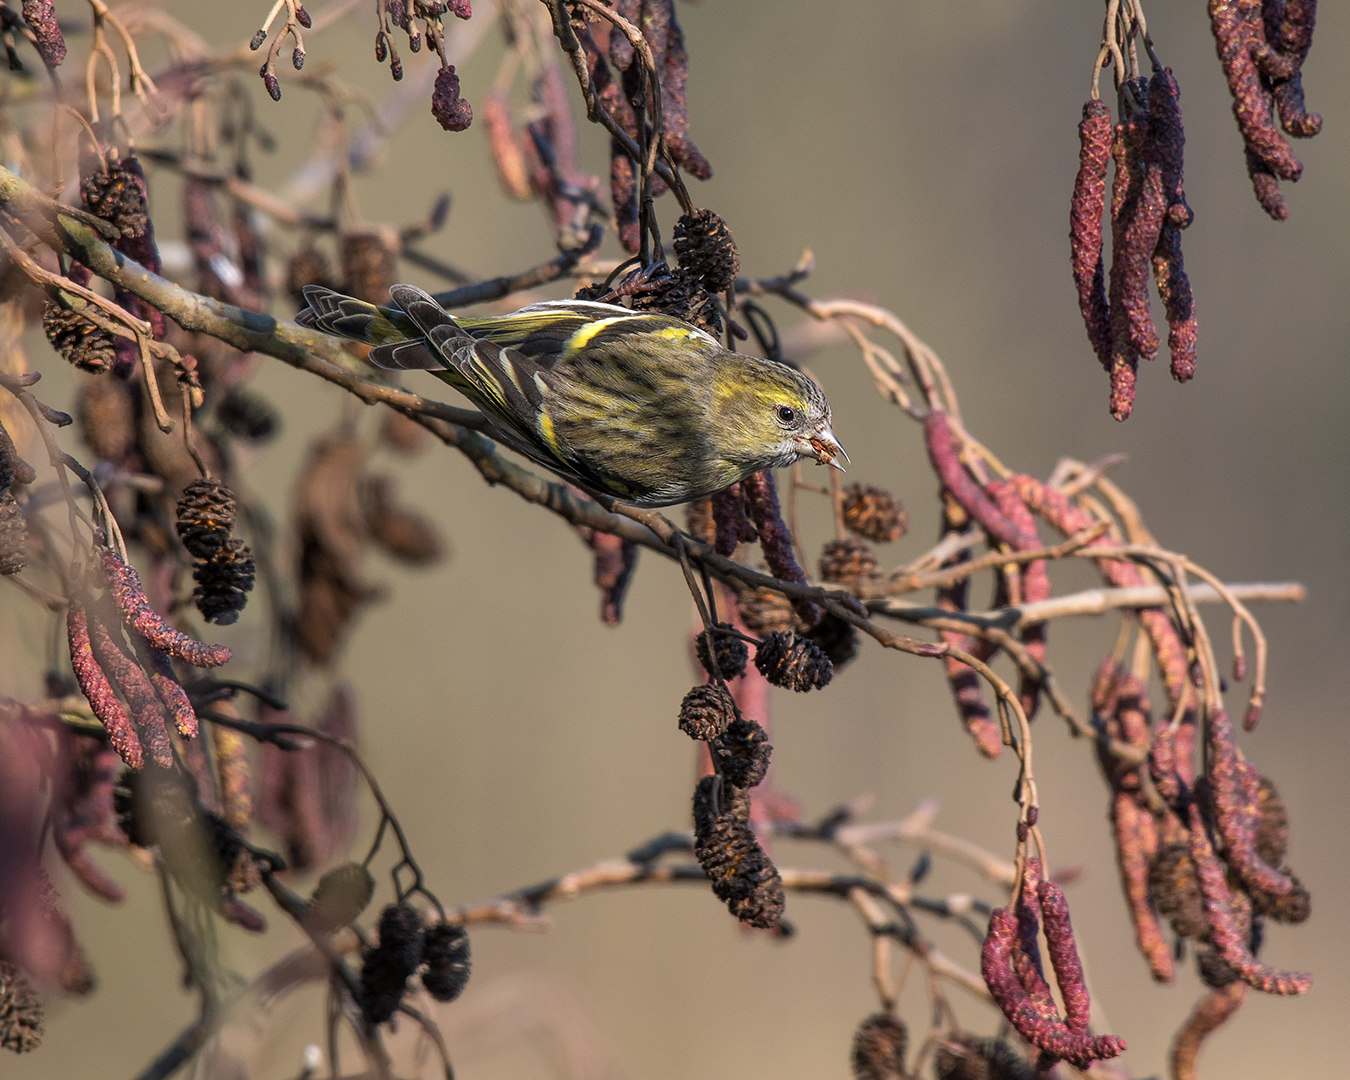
x,y
641,407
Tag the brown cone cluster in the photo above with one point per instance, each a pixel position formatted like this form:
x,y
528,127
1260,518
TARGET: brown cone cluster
x,y
874,513
83,343
224,569
879,1047
732,653
741,874
792,662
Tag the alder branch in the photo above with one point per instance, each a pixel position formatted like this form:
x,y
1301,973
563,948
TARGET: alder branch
x,y
1087,602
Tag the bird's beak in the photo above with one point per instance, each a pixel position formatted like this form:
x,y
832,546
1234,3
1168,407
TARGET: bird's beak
x,y
824,447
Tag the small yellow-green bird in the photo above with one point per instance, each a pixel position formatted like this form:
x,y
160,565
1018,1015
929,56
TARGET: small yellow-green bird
x,y
636,406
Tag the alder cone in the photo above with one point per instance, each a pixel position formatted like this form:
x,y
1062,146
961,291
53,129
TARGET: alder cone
x,y
88,346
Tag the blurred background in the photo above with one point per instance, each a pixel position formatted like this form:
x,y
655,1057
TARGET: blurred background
x,y
925,152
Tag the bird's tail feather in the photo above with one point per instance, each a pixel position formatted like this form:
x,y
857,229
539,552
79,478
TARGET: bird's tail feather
x,y
396,339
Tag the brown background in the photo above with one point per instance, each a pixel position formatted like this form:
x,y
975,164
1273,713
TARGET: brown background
x,y
925,153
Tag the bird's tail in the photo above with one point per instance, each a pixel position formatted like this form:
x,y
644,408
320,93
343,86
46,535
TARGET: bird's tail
x,y
398,341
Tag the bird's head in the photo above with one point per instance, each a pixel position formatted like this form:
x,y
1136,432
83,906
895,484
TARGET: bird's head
x,y
781,416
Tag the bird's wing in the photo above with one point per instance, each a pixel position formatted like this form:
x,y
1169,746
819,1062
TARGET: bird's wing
x,y
555,330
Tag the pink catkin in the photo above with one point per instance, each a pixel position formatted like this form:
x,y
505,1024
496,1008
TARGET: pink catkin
x,y
761,500
1169,268
1064,956
1239,33
1023,1012
1224,928
147,711
964,683
1035,585
129,593
1121,706
1026,950
1085,226
730,522
947,464
170,690
98,690
1237,811
1137,209
1239,36
1136,837
1162,633
1211,1012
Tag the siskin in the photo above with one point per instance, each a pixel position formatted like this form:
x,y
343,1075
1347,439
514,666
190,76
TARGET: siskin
x,y
635,406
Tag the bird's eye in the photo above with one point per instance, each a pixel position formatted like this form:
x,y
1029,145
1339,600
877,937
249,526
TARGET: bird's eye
x,y
786,415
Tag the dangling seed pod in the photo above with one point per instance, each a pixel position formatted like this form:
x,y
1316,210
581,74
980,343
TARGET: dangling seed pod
x,y
874,513
451,111
40,15
879,1049
837,639
765,611
88,346
1213,969
793,663
388,966
114,193
848,561
682,295
706,711
369,264
247,416
704,246
446,955
205,517
308,266
970,1057
741,873
1175,888
106,417
698,520
14,537
1292,907
732,653
20,1007
224,582
743,753
1272,830
341,895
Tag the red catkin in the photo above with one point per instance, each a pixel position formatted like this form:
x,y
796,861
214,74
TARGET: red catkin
x,y
947,464
1224,928
147,712
1237,810
1137,209
761,500
1085,226
1211,1013
95,686
964,683
1064,956
1136,837
730,521
1169,269
1239,35
1035,584
1162,632
1122,709
1023,1012
170,690
129,593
